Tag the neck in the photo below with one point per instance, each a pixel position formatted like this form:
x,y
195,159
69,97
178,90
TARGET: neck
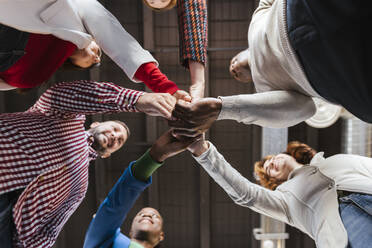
x,y
145,244
295,166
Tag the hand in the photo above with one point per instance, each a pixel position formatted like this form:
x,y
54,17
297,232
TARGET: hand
x,y
195,118
239,67
182,95
157,104
167,146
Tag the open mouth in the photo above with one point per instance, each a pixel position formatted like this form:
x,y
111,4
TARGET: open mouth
x,y
147,220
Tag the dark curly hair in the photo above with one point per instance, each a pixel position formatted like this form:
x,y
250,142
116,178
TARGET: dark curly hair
x,y
301,152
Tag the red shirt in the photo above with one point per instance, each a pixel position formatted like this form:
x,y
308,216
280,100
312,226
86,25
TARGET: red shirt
x,y
154,79
44,55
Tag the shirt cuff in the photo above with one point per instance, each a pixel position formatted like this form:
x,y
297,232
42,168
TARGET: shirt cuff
x,y
145,166
228,108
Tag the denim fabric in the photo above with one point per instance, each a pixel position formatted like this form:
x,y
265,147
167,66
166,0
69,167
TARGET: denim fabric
x,y
334,44
7,202
356,214
12,45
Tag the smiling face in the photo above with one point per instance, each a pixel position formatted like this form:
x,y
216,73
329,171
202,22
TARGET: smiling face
x,y
279,166
88,56
109,136
147,226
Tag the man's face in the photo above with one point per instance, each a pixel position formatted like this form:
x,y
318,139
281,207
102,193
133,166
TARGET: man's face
x,y
108,137
147,225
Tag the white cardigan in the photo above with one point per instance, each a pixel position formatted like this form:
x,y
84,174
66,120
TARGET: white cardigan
x,y
276,71
77,21
307,201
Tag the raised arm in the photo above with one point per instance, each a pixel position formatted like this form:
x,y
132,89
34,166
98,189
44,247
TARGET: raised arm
x,y
241,190
275,109
104,230
114,40
193,36
65,100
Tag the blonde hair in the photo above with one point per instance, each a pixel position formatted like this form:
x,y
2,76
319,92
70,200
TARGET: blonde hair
x,y
171,4
301,152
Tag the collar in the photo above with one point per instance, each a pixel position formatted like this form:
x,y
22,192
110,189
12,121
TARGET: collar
x,y
92,153
318,157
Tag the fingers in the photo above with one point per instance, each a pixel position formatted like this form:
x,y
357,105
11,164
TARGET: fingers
x,y
186,133
180,124
182,95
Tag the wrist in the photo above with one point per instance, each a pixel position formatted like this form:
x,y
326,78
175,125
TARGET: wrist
x,y
156,154
200,147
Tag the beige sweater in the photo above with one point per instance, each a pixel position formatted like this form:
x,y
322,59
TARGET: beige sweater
x,y
276,71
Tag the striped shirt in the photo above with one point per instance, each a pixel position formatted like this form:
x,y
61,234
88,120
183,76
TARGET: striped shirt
x,y
46,151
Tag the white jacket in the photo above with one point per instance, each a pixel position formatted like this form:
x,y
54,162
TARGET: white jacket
x,y
276,71
77,21
307,201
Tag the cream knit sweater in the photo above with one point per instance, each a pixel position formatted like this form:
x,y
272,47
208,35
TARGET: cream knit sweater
x,y
284,95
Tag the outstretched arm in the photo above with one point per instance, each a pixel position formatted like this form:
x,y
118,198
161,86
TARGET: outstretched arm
x,y
193,36
68,99
241,190
104,230
114,40
268,109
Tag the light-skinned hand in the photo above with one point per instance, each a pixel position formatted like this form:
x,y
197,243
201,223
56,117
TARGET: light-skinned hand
x,y
157,104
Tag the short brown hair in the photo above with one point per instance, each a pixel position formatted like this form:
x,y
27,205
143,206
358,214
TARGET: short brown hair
x,y
301,152
171,4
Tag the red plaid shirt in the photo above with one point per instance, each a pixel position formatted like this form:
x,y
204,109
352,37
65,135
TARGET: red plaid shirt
x,y
46,151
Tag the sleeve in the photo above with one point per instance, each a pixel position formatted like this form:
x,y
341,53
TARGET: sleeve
x,y
86,97
276,109
153,78
114,40
104,230
240,190
193,30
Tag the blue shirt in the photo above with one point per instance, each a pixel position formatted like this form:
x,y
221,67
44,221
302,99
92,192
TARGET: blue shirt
x,y
104,230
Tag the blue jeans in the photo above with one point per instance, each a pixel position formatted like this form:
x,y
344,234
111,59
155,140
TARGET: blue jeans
x,y
356,214
7,227
333,41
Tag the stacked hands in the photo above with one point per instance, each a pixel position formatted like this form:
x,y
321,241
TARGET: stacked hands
x,y
188,119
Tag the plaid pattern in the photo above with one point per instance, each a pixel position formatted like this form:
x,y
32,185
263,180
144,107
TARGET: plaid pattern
x,y
193,30
46,152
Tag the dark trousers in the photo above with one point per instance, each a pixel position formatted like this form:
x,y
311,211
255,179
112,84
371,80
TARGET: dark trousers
x,y
7,227
333,41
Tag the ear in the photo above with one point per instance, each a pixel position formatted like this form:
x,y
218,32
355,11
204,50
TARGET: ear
x,y
106,155
161,236
94,124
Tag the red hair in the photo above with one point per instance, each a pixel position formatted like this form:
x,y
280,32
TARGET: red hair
x,y
301,152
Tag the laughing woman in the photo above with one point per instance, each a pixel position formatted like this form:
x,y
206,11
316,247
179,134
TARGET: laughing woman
x,y
329,199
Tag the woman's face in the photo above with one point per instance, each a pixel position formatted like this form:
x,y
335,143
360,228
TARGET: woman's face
x,y
88,56
280,166
158,4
